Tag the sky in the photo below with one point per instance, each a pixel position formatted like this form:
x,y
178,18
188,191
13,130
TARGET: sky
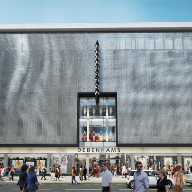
x,y
94,11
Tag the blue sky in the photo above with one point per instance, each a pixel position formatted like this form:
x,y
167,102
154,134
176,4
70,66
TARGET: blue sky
x,y
94,11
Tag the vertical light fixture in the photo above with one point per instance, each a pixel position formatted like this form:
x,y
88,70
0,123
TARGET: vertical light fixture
x,y
97,93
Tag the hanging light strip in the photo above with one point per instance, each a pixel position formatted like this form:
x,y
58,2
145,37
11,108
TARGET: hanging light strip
x,y
97,93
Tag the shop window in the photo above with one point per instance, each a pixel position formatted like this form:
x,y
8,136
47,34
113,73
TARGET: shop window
x,y
97,123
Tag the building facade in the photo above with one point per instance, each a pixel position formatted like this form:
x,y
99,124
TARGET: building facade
x,y
47,100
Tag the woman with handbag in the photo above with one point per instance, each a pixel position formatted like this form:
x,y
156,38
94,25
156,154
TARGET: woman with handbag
x,y
178,179
162,183
22,183
73,175
32,180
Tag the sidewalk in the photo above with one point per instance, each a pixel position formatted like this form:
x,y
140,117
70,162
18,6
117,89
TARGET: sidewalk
x,y
67,179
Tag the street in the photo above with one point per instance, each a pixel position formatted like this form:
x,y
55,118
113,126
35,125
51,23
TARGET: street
x,y
94,187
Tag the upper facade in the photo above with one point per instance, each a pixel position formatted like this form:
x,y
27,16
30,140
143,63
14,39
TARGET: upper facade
x,y
44,68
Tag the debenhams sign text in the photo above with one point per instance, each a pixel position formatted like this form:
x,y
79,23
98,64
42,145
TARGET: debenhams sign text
x,y
99,150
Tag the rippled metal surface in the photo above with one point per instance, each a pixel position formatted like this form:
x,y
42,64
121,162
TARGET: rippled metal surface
x,y
40,75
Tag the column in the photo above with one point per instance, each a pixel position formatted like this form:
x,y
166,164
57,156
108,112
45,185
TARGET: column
x,y
5,160
73,160
179,158
87,162
48,161
132,161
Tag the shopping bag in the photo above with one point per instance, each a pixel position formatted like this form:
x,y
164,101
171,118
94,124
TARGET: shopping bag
x,y
177,188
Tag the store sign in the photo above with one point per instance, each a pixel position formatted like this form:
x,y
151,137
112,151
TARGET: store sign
x,y
99,150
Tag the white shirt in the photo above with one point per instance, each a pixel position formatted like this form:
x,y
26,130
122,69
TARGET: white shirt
x,y
124,168
2,170
106,178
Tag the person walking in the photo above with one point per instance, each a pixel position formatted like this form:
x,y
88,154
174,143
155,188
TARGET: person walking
x,y
126,172
115,171
172,170
162,183
186,169
2,172
85,172
6,171
123,169
169,171
22,183
106,177
57,173
12,172
32,180
129,168
81,173
37,172
44,170
74,172
141,180
178,178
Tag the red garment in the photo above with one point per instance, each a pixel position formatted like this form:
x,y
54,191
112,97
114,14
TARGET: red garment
x,y
91,137
96,169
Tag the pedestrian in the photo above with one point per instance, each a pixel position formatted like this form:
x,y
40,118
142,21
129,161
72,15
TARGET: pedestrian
x,y
115,170
85,172
112,169
2,172
22,183
141,180
37,172
57,173
129,168
178,178
123,169
126,172
12,173
169,171
106,177
49,170
150,168
6,171
96,169
44,170
186,169
32,180
60,171
74,172
52,175
162,183
191,168
172,170
81,173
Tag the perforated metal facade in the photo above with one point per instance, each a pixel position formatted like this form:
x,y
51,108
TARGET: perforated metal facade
x,y
41,74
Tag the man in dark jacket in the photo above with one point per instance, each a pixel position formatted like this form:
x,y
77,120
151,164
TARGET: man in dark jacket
x,y
23,177
84,172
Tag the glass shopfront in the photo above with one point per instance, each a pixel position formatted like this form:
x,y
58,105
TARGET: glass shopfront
x,y
66,161
30,160
97,123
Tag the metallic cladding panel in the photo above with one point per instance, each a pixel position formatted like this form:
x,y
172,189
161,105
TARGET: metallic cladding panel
x,y
40,75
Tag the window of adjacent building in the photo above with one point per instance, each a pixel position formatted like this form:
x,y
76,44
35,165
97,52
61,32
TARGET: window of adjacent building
x,y
97,123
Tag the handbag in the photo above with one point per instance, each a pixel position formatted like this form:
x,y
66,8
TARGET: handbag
x,y
177,188
24,190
